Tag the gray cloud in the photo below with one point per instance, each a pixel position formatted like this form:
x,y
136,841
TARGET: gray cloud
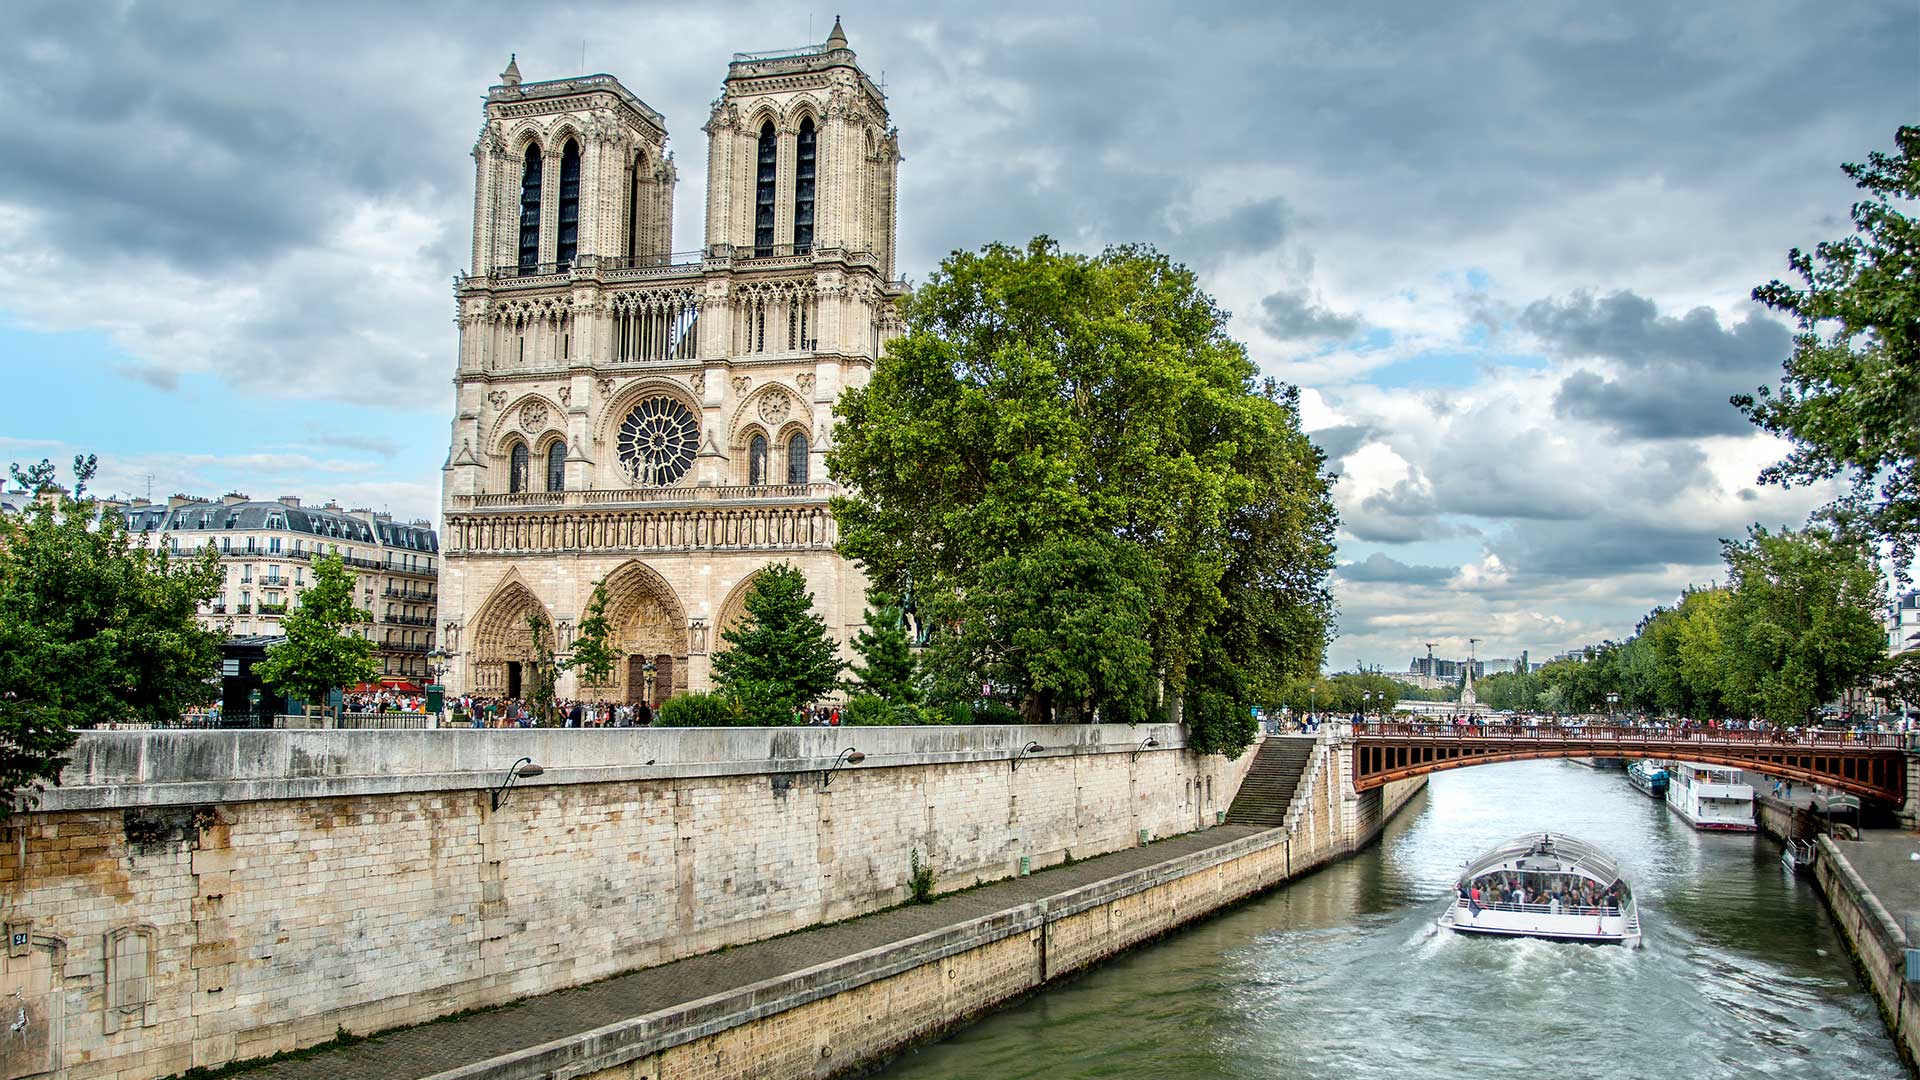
x,y
1292,316
159,378
1340,440
1673,374
1385,569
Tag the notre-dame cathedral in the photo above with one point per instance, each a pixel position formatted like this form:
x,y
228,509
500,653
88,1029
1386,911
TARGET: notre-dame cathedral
x,y
652,418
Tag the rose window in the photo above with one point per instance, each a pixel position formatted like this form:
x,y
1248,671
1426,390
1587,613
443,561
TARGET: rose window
x,y
657,442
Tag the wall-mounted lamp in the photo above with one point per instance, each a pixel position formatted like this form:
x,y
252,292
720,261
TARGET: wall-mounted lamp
x,y
1147,743
1030,748
522,768
849,756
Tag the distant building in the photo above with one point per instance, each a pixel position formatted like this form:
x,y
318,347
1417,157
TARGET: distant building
x,y
266,553
1446,671
1903,622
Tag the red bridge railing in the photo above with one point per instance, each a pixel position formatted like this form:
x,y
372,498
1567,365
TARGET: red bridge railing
x,y
1601,734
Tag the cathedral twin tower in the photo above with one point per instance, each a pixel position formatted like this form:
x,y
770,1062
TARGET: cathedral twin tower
x,y
650,418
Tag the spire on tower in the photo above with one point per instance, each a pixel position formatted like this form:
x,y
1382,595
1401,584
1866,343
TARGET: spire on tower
x,y
511,76
837,39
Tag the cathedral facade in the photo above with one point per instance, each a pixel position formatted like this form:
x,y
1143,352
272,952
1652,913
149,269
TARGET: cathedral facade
x,y
653,419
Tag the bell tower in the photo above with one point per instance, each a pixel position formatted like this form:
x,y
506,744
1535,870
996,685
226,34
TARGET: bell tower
x,y
801,156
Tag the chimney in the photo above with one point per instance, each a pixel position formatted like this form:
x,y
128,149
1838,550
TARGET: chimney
x,y
291,500
178,500
231,498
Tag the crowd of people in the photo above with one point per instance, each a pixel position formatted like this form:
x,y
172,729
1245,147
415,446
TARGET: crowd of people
x,y
1558,893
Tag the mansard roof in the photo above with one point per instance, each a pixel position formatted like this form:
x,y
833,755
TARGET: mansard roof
x,y
312,520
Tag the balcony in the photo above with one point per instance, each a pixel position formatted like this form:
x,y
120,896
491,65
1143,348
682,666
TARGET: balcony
x,y
402,647
418,571
392,593
273,609
685,494
350,560
409,620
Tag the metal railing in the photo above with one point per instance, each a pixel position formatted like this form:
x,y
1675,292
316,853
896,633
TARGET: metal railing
x,y
684,493
392,593
1589,910
1603,733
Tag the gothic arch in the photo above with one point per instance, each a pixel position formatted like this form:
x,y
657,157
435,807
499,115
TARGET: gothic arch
x,y
747,414
556,140
649,625
761,115
801,107
499,636
632,394
506,426
734,608
516,140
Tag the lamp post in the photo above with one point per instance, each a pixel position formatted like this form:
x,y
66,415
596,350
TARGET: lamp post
x,y
1030,748
849,756
1612,700
522,768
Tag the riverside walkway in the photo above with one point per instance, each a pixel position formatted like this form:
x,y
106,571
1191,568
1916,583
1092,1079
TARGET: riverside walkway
x,y
469,1042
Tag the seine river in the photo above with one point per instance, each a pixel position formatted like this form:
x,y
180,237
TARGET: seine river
x,y
1343,975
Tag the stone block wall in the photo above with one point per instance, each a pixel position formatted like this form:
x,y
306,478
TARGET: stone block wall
x,y
266,888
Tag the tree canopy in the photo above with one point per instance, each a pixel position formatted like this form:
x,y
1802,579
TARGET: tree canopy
x,y
1092,498
779,658
1849,397
322,652
93,628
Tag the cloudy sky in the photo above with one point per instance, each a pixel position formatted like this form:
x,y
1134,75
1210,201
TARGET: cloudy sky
x,y
1505,249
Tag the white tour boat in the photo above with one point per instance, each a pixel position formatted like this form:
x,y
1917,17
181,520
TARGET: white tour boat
x,y
1710,796
1545,886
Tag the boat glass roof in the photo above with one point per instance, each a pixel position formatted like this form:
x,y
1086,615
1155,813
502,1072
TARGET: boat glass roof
x,y
1574,856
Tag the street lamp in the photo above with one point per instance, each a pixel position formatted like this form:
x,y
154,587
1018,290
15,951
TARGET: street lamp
x,y
1030,748
849,756
522,768
1612,700
1147,743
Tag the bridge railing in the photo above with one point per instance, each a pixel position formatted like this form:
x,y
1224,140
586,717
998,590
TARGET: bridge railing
x,y
1602,733
1543,909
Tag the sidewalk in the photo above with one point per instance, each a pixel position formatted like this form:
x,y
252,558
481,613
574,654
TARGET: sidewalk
x,y
1882,859
435,1047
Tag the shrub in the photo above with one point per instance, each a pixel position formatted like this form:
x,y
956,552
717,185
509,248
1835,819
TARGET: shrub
x,y
920,879
996,712
699,710
867,710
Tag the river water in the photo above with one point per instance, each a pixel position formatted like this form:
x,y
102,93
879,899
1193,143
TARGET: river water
x,y
1343,975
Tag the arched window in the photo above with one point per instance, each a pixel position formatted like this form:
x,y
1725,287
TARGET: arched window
x,y
757,461
797,459
569,238
557,467
517,468
633,203
763,192
530,209
803,175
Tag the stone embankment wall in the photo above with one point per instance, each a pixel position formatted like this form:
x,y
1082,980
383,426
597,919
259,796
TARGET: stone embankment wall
x,y
1877,943
189,898
842,1016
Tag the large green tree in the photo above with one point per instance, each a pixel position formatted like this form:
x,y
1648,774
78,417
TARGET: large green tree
x,y
779,657
1802,624
323,652
94,628
1849,398
1051,419
887,669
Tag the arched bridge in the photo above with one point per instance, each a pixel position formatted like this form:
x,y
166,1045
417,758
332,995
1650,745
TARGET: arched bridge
x,y
1871,765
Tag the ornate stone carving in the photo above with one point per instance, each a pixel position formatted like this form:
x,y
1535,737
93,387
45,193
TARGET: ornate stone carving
x,y
697,383
774,406
533,415
498,399
697,635
805,379
566,395
606,386
740,384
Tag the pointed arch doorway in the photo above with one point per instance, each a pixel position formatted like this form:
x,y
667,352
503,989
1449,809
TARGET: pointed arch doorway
x,y
649,631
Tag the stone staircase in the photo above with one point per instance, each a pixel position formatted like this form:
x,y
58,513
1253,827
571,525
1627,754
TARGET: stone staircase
x,y
1267,791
